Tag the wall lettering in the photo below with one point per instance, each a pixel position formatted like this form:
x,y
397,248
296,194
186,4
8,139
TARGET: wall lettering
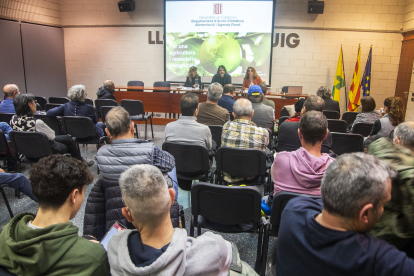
x,y
291,43
157,38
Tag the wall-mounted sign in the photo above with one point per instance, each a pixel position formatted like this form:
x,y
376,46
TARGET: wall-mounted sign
x,y
157,38
292,40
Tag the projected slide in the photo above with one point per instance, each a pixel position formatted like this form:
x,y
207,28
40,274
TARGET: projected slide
x,y
207,34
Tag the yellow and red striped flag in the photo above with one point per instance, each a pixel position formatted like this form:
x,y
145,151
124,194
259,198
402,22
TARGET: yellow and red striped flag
x,y
355,90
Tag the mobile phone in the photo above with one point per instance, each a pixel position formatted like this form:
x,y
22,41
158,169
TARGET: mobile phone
x,y
114,229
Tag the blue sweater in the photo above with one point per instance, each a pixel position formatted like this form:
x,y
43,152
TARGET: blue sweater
x,y
7,106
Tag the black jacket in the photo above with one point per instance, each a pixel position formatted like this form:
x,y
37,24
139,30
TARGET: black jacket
x,y
191,83
222,81
104,208
331,104
104,93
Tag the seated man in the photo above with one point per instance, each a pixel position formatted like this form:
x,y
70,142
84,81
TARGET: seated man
x,y
330,236
155,247
48,243
243,133
288,138
105,203
265,101
264,116
298,108
396,225
17,181
10,91
222,76
186,129
209,113
301,171
106,91
227,101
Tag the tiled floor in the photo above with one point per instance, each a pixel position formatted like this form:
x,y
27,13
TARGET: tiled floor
x,y
246,242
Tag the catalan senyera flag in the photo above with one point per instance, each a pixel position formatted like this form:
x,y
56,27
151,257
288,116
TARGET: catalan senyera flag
x,y
366,80
355,89
339,81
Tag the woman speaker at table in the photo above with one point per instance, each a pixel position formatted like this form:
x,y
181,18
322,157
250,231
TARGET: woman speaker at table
x,y
251,78
193,78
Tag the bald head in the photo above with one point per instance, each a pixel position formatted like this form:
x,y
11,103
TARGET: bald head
x,y
314,103
11,90
404,135
243,109
108,84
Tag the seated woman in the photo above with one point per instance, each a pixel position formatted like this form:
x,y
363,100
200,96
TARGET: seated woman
x,y
251,78
25,106
394,112
77,107
325,93
193,78
369,115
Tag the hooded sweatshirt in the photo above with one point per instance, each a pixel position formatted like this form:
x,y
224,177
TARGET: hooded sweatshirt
x,y
53,250
299,171
104,93
208,254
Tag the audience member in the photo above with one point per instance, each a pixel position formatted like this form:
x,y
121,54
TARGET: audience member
x,y
243,133
6,129
17,181
209,113
78,107
10,92
264,116
330,236
301,171
288,138
227,101
104,206
186,129
222,76
394,115
25,106
106,91
265,101
155,247
325,93
48,243
396,225
11,160
298,108
369,115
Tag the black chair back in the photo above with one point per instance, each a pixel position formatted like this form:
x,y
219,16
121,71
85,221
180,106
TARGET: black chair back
x,y
79,127
33,145
104,111
58,100
349,117
135,83
337,125
89,101
279,202
362,128
134,107
160,84
6,117
104,102
243,163
216,134
41,101
228,205
4,146
284,112
346,143
52,122
331,114
190,159
282,119
5,272
49,106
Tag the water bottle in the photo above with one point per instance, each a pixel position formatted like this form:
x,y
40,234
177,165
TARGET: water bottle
x,y
196,84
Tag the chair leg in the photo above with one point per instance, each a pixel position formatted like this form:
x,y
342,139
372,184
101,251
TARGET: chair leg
x,y
198,230
136,129
146,121
7,202
152,131
192,227
182,219
17,193
259,248
264,250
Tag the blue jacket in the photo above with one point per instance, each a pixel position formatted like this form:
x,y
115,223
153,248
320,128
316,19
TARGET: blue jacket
x,y
226,102
7,106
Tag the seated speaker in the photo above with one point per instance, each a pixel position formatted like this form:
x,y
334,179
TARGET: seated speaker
x,y
126,5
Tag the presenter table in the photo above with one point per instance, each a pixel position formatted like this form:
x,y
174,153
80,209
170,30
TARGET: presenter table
x,y
166,102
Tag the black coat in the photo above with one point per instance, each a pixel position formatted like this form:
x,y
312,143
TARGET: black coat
x,y
104,93
104,208
223,81
331,104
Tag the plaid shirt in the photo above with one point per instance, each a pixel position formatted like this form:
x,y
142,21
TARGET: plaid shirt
x,y
243,134
162,160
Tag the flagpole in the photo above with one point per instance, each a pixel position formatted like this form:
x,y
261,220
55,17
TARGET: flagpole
x,y
343,70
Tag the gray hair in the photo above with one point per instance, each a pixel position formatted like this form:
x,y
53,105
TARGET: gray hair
x,y
324,92
108,83
118,121
145,192
405,132
352,181
214,92
242,107
77,93
255,98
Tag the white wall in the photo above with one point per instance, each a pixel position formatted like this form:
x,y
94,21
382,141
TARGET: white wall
x,y
409,16
39,11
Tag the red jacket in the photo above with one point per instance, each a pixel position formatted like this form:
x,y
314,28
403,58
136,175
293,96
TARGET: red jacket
x,y
246,82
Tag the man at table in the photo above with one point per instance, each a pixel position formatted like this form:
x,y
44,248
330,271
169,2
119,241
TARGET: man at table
x,y
221,77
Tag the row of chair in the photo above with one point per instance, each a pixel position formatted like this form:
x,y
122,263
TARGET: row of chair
x,y
348,116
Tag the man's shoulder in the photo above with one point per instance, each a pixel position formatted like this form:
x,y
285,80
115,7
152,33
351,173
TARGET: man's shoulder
x,y
304,203
94,250
286,126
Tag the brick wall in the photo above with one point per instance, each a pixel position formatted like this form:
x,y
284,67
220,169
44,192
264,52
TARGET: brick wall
x,y
39,11
409,16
